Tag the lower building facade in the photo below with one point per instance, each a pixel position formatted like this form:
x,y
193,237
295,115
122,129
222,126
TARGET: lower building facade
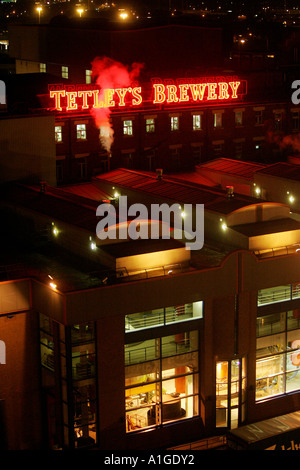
x,y
154,363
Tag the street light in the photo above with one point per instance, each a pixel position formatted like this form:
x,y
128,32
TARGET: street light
x,y
39,9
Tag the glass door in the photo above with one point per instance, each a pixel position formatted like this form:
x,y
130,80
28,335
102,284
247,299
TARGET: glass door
x,y
230,393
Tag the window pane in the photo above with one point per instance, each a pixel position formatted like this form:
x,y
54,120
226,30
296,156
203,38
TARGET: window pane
x,y
217,119
196,122
274,294
177,396
293,319
142,408
269,376
174,123
127,127
162,316
81,131
221,393
270,324
179,343
140,352
150,125
270,345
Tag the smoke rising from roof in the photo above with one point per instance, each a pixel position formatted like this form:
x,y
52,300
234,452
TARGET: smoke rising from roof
x,y
108,73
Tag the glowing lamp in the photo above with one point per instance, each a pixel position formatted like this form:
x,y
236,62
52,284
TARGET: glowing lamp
x,y
257,191
55,231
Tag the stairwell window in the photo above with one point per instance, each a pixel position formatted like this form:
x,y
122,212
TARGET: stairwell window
x,y
196,122
65,72
174,123
58,134
81,131
150,125
128,127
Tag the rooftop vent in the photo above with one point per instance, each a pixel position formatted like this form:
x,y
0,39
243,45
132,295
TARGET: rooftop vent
x,y
229,192
159,174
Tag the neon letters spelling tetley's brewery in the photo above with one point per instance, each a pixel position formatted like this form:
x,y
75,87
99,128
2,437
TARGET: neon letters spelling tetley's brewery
x,y
83,97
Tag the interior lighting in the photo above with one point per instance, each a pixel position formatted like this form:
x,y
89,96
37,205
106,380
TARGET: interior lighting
x,y
79,11
224,226
93,246
116,194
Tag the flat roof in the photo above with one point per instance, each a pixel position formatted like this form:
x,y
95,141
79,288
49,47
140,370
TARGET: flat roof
x,y
282,170
267,227
232,167
214,199
138,247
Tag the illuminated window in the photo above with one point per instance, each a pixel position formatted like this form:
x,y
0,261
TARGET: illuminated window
x,y
166,388
295,121
231,386
163,316
150,125
259,117
65,72
81,131
174,123
217,119
43,68
238,118
196,122
277,354
58,133
128,127
88,76
278,294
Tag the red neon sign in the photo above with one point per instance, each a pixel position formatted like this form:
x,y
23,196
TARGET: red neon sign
x,y
70,99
